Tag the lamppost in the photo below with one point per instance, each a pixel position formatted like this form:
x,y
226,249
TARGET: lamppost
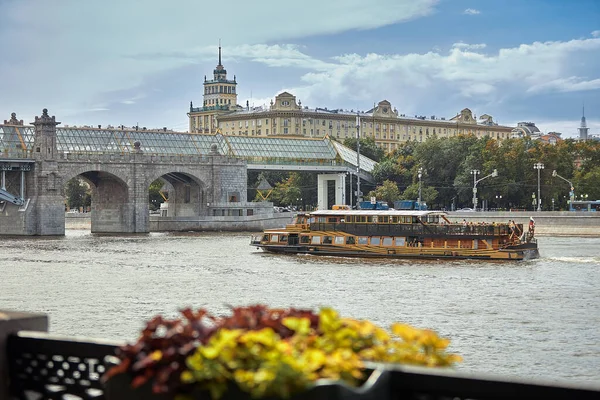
x,y
350,174
572,192
539,166
420,175
474,172
358,193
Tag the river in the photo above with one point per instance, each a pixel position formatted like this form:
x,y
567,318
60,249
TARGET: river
x,y
533,319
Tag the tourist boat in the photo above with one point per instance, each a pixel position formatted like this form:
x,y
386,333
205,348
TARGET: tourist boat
x,y
398,234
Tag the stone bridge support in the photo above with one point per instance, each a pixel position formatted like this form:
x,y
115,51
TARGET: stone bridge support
x,y
340,189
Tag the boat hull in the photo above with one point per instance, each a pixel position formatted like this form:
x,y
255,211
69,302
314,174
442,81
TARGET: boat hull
x,y
527,251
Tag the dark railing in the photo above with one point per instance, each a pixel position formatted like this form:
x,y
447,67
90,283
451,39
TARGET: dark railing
x,y
45,367
469,231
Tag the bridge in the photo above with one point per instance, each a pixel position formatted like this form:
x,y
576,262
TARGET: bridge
x,y
206,174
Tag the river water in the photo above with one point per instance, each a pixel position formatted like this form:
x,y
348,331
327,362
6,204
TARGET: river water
x,y
533,319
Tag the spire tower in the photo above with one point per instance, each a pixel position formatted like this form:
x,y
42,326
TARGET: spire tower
x,y
220,52
583,129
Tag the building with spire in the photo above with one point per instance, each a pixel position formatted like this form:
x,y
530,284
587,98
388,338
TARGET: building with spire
x,y
220,97
583,129
286,116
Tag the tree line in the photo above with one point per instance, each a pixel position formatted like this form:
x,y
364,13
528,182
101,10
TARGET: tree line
x,y
447,180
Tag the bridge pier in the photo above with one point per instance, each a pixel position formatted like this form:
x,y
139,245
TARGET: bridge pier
x,y
340,189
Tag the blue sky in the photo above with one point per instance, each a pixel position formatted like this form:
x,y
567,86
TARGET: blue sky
x,y
114,62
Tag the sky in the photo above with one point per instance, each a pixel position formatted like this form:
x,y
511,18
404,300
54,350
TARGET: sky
x,y
115,62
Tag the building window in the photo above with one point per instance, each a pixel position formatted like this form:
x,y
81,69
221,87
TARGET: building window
x,y
285,131
285,103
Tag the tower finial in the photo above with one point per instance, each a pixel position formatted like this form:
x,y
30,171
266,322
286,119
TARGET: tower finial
x,y
219,51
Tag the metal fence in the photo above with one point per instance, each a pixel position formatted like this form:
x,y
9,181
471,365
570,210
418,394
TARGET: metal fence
x,y
45,367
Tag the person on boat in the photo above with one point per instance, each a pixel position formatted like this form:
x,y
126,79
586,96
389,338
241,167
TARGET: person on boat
x,y
531,227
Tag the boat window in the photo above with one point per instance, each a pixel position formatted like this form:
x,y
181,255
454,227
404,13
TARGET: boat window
x,y
274,238
283,238
387,241
304,239
349,218
395,220
370,218
376,241
400,241
265,238
350,240
339,240
374,219
363,240
322,219
316,240
384,219
415,220
311,220
332,220
433,219
406,220
327,240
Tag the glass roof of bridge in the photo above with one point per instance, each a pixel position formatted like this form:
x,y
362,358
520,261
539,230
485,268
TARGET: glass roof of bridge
x,y
14,139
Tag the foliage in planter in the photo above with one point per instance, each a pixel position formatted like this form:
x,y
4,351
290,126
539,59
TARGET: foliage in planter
x,y
269,352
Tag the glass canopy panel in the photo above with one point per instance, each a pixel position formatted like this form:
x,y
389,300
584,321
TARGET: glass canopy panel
x,y
349,156
281,148
15,141
90,140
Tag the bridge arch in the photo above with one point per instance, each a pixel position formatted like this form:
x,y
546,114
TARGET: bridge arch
x,y
188,194
114,203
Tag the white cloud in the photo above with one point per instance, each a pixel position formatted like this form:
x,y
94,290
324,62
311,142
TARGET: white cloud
x,y
596,33
570,84
87,49
466,46
471,11
413,82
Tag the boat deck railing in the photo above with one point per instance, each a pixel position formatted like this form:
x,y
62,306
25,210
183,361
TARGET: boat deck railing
x,y
47,367
432,230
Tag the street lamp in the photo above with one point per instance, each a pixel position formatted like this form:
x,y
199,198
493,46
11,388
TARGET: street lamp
x,y
572,192
539,166
498,200
420,175
553,204
358,193
474,172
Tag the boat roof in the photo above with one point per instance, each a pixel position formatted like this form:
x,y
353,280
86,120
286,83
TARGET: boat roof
x,y
411,213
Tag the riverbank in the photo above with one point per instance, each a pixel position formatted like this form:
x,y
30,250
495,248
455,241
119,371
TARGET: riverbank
x,y
547,223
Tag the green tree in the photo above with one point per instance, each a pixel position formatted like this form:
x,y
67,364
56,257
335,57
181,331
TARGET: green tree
x,y
428,193
287,192
75,192
154,197
388,192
